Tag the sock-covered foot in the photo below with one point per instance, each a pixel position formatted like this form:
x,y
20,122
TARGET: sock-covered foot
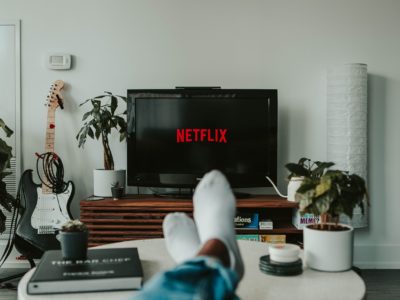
x,y
214,212
181,236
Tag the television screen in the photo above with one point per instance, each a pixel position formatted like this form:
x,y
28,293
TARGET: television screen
x,y
174,136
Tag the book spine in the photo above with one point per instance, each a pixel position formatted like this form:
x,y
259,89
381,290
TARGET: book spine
x,y
247,237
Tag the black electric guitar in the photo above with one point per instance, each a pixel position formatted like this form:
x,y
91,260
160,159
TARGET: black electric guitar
x,y
43,212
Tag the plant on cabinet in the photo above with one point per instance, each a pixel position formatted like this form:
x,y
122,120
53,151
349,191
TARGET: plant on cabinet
x,y
328,246
304,168
98,123
6,199
117,190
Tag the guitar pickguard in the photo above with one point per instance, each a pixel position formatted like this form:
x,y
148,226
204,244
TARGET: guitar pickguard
x,y
51,211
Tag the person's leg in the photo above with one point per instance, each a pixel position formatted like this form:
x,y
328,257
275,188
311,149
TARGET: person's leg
x,y
214,213
181,237
215,270
216,249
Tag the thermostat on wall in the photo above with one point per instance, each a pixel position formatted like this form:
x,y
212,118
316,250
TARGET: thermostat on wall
x,y
59,61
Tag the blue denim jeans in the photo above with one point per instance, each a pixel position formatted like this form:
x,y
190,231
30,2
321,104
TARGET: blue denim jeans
x,y
200,278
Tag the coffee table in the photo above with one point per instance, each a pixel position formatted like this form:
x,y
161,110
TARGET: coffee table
x,y
255,284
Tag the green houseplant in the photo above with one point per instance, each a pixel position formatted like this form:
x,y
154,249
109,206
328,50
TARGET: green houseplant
x,y
98,123
328,246
304,168
307,168
6,200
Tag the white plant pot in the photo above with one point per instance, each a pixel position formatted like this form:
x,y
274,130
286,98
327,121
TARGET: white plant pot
x,y
330,251
293,185
103,180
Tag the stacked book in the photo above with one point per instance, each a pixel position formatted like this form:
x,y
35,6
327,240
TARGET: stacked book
x,y
245,220
273,238
266,224
248,237
102,270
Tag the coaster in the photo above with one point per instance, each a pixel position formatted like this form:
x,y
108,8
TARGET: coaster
x,y
280,269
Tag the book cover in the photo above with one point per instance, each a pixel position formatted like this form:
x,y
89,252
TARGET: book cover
x,y
247,237
103,270
300,221
245,220
273,238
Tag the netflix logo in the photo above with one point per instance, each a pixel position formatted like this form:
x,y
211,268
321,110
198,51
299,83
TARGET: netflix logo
x,y
189,135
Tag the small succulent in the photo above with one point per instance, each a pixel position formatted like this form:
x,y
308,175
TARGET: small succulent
x,y
74,226
116,185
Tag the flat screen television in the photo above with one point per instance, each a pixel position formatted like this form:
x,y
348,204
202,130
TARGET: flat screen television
x,y
177,135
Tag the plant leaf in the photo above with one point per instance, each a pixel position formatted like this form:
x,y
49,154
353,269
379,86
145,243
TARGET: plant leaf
x,y
114,104
90,132
87,114
5,128
297,170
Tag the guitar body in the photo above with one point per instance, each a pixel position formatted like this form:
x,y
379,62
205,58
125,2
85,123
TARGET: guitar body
x,y
40,213
51,210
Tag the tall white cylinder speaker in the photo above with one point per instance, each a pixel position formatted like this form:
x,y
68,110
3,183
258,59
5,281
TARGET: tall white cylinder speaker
x,y
347,125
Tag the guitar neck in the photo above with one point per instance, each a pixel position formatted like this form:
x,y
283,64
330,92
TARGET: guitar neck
x,y
50,131
49,144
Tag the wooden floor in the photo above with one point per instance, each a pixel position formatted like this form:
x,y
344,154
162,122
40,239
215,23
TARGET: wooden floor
x,y
381,284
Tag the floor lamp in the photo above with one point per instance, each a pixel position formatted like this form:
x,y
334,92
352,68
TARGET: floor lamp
x,y
347,125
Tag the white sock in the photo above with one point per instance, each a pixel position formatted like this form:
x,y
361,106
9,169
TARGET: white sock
x,y
214,211
181,236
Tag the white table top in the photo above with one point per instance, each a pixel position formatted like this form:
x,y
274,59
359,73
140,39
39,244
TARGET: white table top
x,y
255,284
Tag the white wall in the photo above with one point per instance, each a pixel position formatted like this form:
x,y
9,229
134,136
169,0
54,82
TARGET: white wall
x,y
281,44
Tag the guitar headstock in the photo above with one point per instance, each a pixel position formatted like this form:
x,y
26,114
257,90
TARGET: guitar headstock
x,y
54,98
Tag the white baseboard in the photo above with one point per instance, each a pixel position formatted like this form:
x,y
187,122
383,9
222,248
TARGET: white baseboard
x,y
385,256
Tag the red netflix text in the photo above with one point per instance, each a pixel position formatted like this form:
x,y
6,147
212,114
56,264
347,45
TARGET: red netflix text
x,y
189,135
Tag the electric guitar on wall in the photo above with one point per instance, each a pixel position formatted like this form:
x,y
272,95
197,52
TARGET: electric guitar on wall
x,y
44,212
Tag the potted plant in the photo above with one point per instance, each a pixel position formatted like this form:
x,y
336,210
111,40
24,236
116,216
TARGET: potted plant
x,y
117,190
6,200
98,123
302,169
74,240
328,246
